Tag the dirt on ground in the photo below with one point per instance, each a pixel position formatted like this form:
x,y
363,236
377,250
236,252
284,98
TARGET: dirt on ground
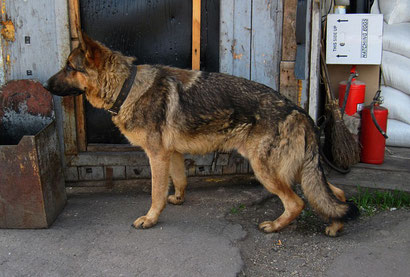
x,y
302,248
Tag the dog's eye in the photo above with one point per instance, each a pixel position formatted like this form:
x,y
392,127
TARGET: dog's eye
x,y
68,67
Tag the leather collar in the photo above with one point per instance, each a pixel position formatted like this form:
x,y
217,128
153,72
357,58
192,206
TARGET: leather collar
x,y
126,87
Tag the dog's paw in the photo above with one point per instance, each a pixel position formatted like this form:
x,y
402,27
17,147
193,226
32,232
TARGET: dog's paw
x,y
176,200
269,227
144,222
330,232
334,229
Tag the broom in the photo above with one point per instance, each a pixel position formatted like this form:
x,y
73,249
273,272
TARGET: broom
x,y
344,147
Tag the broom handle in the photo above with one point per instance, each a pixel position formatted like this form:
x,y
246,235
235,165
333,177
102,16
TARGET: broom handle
x,y
325,74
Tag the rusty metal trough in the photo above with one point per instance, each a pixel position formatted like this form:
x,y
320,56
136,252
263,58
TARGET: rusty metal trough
x,y
32,190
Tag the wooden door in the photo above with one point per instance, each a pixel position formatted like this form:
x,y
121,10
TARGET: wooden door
x,y
155,32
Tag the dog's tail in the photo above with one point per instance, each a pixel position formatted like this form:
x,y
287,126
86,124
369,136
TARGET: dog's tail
x,y
317,190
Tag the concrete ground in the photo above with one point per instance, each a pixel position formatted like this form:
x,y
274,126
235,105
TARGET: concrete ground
x,y
213,234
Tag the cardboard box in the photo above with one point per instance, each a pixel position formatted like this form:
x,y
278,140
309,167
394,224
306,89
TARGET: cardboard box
x,y
369,74
354,38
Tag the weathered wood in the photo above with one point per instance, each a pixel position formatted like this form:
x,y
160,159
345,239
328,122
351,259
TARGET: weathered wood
x,y
394,173
69,103
235,36
75,28
288,81
108,159
33,54
266,42
102,147
314,61
289,85
305,82
378,179
289,30
75,23
80,123
69,126
196,34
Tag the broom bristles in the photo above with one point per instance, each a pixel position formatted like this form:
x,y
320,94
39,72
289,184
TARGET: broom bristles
x,y
345,149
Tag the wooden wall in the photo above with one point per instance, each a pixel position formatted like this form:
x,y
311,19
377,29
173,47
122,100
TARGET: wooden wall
x,y
41,41
250,39
288,82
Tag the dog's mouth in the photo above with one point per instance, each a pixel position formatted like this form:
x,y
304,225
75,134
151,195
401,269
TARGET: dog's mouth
x,y
62,90
66,92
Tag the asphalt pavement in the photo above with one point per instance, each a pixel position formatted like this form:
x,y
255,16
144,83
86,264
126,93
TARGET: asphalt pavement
x,y
214,233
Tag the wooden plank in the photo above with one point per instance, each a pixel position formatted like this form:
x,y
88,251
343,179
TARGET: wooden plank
x,y
372,179
235,36
62,32
288,82
69,103
75,23
63,46
80,123
289,30
196,34
314,61
34,24
69,126
266,42
108,158
75,28
305,82
101,147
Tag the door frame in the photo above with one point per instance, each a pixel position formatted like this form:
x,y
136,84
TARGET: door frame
x,y
74,124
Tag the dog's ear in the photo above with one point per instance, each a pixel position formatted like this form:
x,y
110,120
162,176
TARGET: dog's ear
x,y
93,50
82,44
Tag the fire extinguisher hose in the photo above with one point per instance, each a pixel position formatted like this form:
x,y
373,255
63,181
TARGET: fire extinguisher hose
x,y
349,83
376,101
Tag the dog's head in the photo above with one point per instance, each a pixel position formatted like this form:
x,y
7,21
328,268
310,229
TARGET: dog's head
x,y
80,74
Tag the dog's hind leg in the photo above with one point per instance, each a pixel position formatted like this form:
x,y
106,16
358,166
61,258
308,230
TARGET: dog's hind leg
x,y
292,203
336,225
177,171
160,164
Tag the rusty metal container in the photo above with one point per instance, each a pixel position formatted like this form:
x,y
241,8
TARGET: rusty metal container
x,y
32,190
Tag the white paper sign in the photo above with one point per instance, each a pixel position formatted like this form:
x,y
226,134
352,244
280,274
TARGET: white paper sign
x,y
354,38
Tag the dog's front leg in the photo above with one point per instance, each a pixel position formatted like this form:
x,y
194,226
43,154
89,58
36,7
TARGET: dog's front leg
x,y
160,162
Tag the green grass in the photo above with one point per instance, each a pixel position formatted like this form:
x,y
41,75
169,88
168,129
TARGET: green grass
x,y
237,209
371,202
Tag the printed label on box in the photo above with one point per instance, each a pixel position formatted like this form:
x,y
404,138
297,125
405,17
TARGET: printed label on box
x,y
354,38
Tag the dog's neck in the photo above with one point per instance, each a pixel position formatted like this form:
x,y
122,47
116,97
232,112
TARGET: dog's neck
x,y
111,77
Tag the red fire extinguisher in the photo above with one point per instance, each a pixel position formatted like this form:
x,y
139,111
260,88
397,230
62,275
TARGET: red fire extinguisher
x,y
351,94
373,132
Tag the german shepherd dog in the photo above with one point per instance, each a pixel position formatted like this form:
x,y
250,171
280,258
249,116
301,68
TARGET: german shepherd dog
x,y
171,111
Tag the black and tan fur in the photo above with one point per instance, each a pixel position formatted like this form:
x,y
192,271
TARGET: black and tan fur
x,y
172,111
